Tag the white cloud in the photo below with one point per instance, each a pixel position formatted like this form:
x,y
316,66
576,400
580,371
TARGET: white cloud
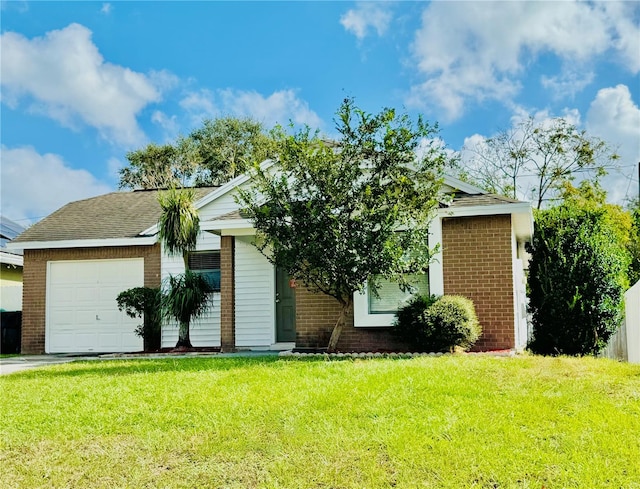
x,y
481,50
64,76
367,16
106,8
567,84
169,124
200,105
614,117
114,165
35,185
279,107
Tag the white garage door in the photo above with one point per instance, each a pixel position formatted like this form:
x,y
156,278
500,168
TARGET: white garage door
x,y
82,313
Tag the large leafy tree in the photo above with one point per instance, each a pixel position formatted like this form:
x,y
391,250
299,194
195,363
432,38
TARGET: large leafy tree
x,y
339,215
188,294
158,166
213,154
537,159
227,147
578,273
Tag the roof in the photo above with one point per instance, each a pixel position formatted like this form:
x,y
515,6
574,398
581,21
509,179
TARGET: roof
x,y
111,216
9,230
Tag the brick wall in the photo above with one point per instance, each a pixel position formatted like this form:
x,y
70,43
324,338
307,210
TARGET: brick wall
x,y
316,315
35,282
227,294
477,262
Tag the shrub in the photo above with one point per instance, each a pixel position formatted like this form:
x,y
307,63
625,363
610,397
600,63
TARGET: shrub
x,y
410,323
577,277
144,302
440,324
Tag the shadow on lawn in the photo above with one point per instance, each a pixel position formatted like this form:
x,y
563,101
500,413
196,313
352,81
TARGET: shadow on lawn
x,y
124,367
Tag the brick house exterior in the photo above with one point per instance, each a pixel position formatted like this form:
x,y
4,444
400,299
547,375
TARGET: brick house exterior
x,y
480,237
477,259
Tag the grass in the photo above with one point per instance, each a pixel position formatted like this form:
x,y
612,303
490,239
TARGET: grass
x,y
445,422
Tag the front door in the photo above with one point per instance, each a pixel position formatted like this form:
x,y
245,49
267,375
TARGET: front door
x,y
285,308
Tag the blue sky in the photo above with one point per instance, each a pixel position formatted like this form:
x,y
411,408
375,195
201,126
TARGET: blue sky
x,y
85,82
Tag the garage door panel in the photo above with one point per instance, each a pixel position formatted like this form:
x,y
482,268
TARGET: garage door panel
x,y
87,294
82,313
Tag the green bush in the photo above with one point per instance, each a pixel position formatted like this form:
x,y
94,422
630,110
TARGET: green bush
x,y
577,276
428,323
144,302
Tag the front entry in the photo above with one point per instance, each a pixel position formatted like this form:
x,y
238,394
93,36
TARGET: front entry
x,y
285,308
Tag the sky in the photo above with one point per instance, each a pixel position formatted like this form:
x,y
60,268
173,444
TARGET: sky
x,y
83,83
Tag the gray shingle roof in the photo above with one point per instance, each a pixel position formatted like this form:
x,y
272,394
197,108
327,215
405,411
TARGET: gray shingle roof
x,y
114,215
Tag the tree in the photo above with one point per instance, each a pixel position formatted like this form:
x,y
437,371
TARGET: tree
x,y
227,147
156,166
577,276
538,158
188,294
220,150
342,215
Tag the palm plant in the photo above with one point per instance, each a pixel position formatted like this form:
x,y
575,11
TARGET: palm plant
x,y
180,222
187,295
187,298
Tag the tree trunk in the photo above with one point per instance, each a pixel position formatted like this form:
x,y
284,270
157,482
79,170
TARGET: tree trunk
x,y
337,329
183,337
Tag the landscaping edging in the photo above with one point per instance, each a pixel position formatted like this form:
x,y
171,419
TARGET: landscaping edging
x,y
296,354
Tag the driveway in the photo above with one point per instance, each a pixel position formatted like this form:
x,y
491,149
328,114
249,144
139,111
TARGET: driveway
x,y
25,362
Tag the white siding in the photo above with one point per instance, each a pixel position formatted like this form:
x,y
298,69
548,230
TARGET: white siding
x,y
11,297
255,293
632,319
205,331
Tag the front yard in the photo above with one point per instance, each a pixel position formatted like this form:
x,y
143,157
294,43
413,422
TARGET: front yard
x,y
446,422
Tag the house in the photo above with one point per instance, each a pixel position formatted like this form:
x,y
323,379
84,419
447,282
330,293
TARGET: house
x,y
79,258
10,267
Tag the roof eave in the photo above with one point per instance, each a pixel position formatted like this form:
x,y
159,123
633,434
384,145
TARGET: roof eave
x,y
521,212
11,259
83,243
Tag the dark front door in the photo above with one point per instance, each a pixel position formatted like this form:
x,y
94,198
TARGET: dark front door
x,y
285,308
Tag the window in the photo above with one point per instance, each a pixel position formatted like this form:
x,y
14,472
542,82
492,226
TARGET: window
x,y
391,297
207,263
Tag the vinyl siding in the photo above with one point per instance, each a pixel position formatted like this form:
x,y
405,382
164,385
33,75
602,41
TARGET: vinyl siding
x,y
255,294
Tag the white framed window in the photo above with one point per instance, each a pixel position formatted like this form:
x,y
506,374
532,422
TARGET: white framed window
x,y
373,312
391,297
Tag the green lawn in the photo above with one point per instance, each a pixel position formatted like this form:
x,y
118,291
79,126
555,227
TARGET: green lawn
x,y
443,422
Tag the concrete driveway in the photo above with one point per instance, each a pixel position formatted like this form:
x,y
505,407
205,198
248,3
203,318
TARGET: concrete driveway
x,y
26,362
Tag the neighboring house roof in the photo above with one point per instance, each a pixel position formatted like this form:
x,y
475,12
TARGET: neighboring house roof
x,y
467,200
117,215
9,230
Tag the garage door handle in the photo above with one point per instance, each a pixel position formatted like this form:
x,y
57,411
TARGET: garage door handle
x,y
97,318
